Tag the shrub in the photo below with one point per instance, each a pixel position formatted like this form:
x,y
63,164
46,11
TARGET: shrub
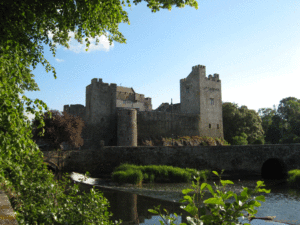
x,y
260,141
240,140
294,177
215,210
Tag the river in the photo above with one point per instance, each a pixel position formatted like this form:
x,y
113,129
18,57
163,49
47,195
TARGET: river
x,y
131,203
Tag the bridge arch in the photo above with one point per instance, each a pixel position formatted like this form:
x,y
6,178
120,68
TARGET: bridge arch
x,y
274,168
52,167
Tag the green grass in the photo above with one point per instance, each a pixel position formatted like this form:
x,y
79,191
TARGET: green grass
x,y
133,174
294,177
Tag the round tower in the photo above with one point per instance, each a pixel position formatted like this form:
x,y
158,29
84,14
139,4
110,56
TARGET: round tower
x,y
127,127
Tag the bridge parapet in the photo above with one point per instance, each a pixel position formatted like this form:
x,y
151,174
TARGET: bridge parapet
x,y
247,159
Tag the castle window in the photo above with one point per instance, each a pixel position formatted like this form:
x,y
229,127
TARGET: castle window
x,y
187,90
218,126
209,125
212,102
124,102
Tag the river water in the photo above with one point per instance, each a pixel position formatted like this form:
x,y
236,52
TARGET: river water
x,y
131,204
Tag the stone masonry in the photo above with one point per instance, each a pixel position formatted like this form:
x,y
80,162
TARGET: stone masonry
x,y
199,112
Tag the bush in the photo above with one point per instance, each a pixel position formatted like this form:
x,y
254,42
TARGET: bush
x,y
294,177
259,141
240,140
215,210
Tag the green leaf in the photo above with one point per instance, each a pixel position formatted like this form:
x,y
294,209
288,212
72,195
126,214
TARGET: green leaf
x,y
193,210
203,185
260,198
215,201
153,211
216,173
224,182
186,191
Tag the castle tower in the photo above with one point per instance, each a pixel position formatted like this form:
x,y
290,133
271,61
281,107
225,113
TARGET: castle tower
x,y
127,127
101,111
202,95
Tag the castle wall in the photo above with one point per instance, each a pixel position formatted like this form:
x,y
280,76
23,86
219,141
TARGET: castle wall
x,y
127,127
190,91
129,104
211,106
133,100
157,123
101,112
202,95
166,107
75,110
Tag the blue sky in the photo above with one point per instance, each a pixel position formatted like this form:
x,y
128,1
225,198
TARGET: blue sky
x,y
253,45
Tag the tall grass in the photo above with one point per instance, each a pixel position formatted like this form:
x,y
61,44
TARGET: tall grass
x,y
133,174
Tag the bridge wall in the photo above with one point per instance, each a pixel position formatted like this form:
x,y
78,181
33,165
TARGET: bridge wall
x,y
234,159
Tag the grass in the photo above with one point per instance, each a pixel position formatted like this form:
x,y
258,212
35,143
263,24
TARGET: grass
x,y
133,174
294,177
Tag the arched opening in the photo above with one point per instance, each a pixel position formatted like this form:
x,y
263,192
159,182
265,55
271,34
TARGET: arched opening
x,y
274,168
50,168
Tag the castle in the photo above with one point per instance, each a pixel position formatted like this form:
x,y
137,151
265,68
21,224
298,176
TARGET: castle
x,y
118,115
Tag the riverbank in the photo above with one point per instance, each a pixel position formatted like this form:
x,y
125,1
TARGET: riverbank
x,y
172,192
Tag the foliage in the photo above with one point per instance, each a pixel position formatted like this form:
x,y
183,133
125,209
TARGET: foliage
x,y
181,141
129,176
240,140
238,120
25,27
294,177
282,125
128,173
59,129
259,141
217,209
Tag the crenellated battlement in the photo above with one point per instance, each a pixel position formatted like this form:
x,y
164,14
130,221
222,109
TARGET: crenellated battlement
x,y
96,81
108,111
214,78
197,67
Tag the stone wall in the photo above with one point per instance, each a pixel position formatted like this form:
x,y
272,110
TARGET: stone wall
x,y
247,159
7,215
161,124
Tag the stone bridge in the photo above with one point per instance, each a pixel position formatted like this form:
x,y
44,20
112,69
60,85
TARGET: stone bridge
x,y
270,161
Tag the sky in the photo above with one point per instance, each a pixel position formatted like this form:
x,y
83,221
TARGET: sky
x,y
253,45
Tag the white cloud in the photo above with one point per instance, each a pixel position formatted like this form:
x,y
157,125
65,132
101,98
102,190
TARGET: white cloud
x,y
76,47
103,44
59,60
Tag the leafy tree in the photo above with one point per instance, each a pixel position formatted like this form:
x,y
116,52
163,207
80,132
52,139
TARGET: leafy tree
x,y
282,125
238,120
266,115
25,25
59,129
240,140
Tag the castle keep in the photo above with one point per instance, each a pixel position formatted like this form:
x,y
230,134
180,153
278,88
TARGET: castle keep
x,y
118,115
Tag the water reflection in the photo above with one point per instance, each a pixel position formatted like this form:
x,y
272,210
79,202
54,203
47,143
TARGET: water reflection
x,y
283,202
133,208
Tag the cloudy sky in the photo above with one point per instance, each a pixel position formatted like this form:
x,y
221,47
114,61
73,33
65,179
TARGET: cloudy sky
x,y
253,45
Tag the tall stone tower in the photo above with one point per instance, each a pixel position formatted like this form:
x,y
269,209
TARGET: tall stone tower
x,y
202,95
101,111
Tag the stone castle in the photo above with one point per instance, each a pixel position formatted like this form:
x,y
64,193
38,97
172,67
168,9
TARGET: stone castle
x,y
119,116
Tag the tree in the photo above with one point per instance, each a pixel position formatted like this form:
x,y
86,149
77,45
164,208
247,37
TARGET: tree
x,y
35,196
282,125
238,120
60,128
240,140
